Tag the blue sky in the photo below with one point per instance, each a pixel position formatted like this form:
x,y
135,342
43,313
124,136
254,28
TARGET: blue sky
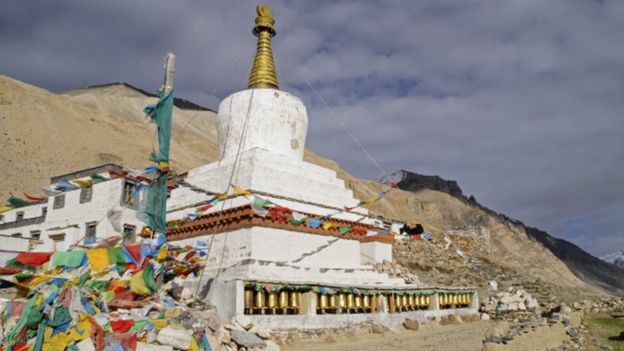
x,y
519,101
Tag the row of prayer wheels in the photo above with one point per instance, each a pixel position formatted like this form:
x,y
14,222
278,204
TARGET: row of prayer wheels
x,y
454,300
272,302
408,302
346,303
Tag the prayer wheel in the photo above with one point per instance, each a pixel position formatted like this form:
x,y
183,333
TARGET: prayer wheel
x,y
392,303
455,299
283,299
469,299
272,300
366,302
411,301
373,303
464,299
428,300
444,299
405,302
350,301
342,300
248,299
358,302
399,302
323,301
260,299
333,301
295,298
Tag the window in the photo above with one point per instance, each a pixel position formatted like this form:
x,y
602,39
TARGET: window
x,y
127,193
57,241
44,211
129,234
1,218
59,201
85,194
17,235
19,216
35,235
90,232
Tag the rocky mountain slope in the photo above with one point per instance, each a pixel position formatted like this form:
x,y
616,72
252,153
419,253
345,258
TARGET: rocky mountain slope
x,y
46,134
616,258
585,266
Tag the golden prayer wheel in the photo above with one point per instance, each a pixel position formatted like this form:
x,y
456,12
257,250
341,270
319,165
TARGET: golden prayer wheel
x,y
392,303
469,299
260,299
421,300
283,299
323,301
333,301
350,301
366,302
464,299
248,299
428,300
443,299
342,300
373,303
295,298
405,302
411,301
358,301
272,303
455,299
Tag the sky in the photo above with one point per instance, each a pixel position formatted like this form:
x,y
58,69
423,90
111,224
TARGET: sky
x,y
519,101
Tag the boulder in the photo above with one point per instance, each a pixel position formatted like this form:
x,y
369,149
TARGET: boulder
x,y
411,324
485,317
260,331
243,321
499,330
271,346
175,337
246,339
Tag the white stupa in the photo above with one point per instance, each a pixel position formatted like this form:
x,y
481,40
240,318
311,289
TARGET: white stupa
x,y
274,271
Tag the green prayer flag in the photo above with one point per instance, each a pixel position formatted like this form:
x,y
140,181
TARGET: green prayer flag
x,y
345,230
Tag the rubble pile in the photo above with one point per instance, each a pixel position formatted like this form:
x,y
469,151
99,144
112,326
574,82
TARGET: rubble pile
x,y
603,305
394,269
560,329
515,303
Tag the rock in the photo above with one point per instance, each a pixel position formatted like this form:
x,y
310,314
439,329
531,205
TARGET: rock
x,y
485,317
260,331
499,330
86,345
243,321
175,337
271,346
186,294
379,329
411,324
141,346
246,339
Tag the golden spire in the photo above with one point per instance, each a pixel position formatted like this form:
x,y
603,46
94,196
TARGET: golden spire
x,y
263,70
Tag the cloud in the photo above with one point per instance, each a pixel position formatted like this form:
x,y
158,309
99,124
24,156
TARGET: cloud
x,y
519,101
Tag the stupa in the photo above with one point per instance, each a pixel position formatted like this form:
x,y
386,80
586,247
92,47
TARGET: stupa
x,y
279,271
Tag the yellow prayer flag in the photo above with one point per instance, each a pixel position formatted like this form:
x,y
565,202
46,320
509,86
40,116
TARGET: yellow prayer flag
x,y
137,284
241,191
98,258
82,183
162,254
329,225
5,208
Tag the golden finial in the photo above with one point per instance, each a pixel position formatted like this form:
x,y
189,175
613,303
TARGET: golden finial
x,y
263,70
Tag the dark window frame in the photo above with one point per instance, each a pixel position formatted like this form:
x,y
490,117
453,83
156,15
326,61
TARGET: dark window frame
x,y
59,201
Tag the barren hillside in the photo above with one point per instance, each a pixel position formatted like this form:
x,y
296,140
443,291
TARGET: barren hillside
x,y
46,134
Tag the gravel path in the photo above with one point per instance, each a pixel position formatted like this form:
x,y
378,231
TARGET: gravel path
x,y
460,337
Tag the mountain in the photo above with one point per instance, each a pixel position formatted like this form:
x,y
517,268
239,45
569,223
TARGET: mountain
x,y
607,275
46,134
616,258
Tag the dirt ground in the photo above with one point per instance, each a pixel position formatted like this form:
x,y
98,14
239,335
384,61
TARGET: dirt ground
x,y
459,337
